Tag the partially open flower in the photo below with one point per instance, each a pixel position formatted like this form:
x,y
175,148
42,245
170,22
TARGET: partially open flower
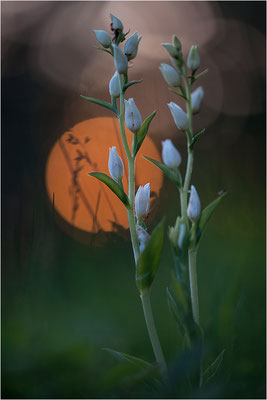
x,y
120,60
114,85
133,119
194,207
193,60
142,198
179,116
196,99
115,164
170,74
170,155
143,237
131,46
103,38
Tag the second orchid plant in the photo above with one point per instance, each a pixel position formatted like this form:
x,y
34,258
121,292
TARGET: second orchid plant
x,y
184,236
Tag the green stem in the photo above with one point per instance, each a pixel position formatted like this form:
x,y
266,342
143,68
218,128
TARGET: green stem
x,y
192,256
145,298
131,182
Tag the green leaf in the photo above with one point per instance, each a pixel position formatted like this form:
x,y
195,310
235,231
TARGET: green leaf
x,y
113,185
148,261
128,84
205,216
176,313
179,94
141,133
196,137
105,104
173,174
127,358
201,74
103,49
213,368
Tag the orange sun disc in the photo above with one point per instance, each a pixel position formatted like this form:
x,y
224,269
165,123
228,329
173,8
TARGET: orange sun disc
x,y
82,200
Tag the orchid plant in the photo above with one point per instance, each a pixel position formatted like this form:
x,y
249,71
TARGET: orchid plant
x,y
185,235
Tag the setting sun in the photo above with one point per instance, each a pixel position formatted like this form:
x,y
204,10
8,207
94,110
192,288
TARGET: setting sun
x,y
82,200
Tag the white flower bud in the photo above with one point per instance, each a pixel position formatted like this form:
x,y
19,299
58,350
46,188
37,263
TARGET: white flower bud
x,y
194,207
103,38
196,99
133,119
179,116
120,60
114,85
142,198
116,23
170,75
172,50
193,60
170,155
131,46
143,237
115,164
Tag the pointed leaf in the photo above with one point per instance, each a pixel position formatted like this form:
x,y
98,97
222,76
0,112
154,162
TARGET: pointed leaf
x,y
196,137
128,358
148,261
173,174
113,185
175,313
205,216
141,134
179,94
103,49
213,368
128,84
105,104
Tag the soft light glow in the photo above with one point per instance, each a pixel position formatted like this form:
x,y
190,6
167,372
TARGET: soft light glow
x,y
82,200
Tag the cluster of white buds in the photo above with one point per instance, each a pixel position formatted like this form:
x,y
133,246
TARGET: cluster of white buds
x,y
143,237
170,155
115,164
133,119
194,207
142,198
180,117
170,75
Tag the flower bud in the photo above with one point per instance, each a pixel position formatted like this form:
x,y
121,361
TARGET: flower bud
x,y
176,42
170,75
114,85
131,46
196,99
142,198
103,38
170,155
194,207
193,59
115,164
133,119
143,237
116,23
179,116
172,50
120,60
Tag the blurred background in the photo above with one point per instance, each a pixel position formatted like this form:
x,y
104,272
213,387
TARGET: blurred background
x,y
68,281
